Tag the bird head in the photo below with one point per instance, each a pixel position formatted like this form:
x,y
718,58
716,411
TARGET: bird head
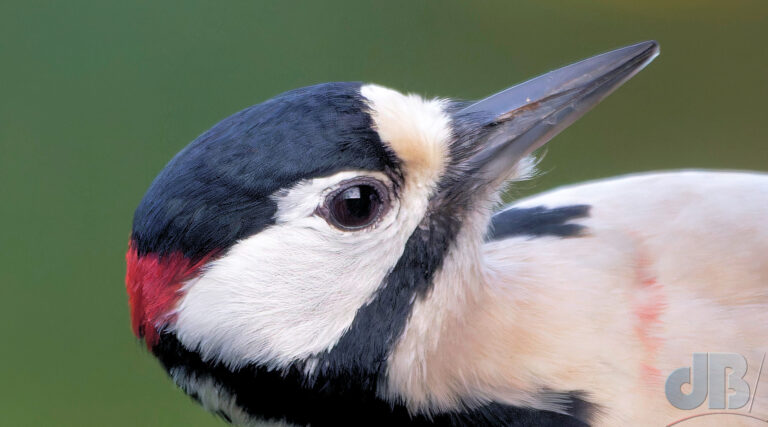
x,y
294,236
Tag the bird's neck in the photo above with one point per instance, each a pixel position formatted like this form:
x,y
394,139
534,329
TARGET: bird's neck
x,y
422,357
474,335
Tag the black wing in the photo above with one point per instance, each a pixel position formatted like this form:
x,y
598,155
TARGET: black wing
x,y
537,221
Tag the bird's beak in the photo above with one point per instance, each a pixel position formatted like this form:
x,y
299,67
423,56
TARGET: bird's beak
x,y
511,124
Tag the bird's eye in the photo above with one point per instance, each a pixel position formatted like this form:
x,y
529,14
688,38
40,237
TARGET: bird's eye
x,y
356,204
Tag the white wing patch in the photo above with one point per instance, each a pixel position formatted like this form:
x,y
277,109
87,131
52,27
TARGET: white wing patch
x,y
674,263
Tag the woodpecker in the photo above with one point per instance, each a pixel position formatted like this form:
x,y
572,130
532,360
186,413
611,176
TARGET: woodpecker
x,y
337,255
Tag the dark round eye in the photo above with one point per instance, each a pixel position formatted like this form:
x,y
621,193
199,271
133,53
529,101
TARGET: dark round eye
x,y
355,205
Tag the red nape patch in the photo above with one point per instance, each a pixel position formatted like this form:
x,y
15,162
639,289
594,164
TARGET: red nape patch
x,y
153,283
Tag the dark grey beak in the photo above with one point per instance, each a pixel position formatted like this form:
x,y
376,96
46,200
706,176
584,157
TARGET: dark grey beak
x,y
515,122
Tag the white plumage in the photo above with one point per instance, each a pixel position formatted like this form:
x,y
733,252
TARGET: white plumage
x,y
384,289
671,263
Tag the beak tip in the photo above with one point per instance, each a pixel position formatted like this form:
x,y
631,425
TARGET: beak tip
x,y
650,44
650,49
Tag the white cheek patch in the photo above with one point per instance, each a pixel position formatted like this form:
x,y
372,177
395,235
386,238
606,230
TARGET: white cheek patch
x,y
293,289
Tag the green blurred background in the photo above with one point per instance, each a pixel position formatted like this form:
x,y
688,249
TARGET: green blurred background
x,y
96,96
